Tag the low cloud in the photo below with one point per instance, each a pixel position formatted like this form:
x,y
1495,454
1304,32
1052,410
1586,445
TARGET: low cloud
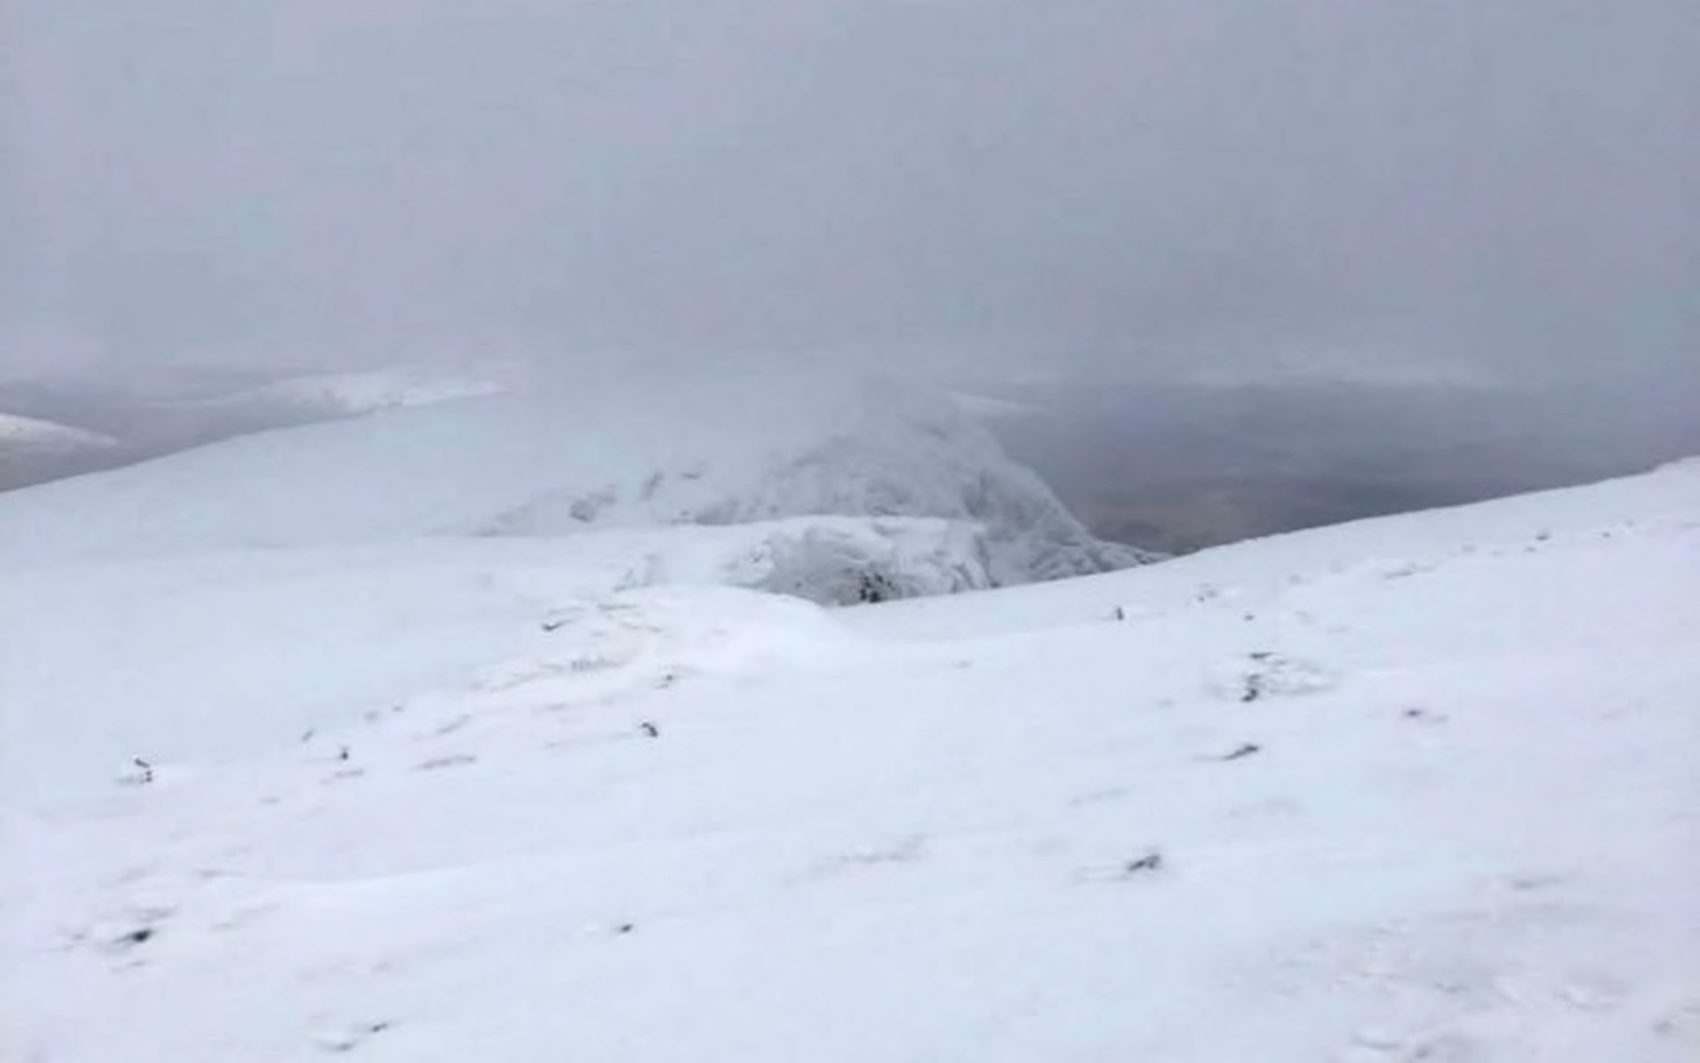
x,y
1087,186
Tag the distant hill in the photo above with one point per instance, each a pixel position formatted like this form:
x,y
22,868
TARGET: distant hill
x,y
578,457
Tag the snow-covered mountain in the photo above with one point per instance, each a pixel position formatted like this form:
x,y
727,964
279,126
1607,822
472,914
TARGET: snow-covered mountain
x,y
32,448
317,396
590,457
129,419
19,433
1418,788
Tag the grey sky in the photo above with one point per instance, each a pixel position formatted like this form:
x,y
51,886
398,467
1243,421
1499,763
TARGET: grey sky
x,y
1507,186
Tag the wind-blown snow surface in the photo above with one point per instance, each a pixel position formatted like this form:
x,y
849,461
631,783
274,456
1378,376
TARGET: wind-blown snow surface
x,y
1414,788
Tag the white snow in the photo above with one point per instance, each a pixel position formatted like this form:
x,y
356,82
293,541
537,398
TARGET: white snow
x,y
30,432
584,458
357,392
1418,788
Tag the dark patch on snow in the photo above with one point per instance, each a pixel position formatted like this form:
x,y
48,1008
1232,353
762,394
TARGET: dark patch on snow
x,y
1150,862
136,936
351,1038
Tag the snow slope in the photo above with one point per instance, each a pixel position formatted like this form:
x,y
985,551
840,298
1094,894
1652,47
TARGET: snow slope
x,y
33,433
165,411
31,448
581,458
1419,788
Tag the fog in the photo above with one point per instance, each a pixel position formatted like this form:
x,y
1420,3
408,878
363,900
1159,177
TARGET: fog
x,y
1110,186
1162,193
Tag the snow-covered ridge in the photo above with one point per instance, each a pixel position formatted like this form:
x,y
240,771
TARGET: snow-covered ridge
x,y
31,432
880,452
585,457
349,394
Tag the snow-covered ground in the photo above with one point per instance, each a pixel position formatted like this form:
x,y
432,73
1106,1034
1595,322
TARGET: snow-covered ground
x,y
1419,788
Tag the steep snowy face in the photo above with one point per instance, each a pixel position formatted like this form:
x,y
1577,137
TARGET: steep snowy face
x,y
876,450
566,460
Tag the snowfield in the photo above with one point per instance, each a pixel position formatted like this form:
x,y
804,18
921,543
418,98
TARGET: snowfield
x,y
1418,788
